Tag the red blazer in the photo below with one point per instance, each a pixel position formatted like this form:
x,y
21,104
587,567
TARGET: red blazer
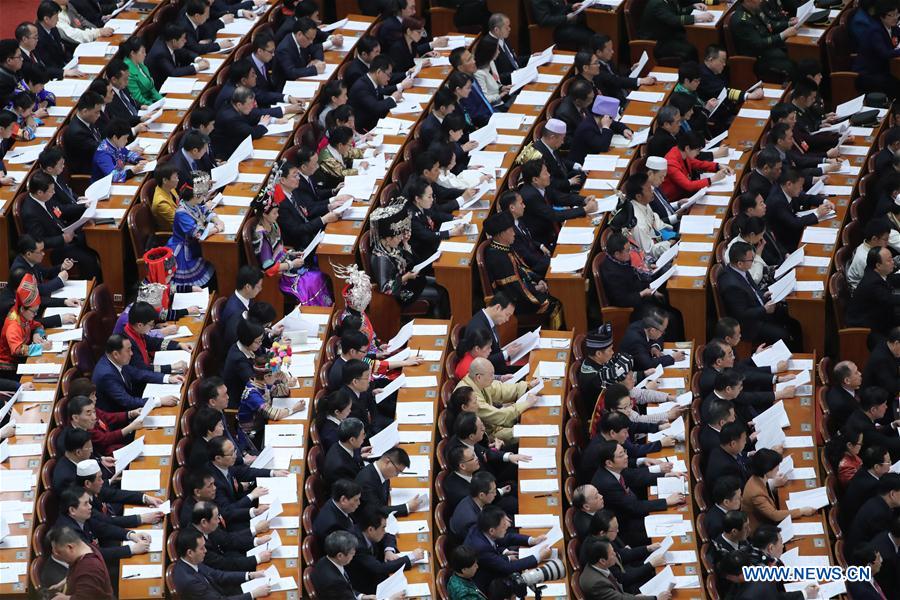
x,y
107,433
678,183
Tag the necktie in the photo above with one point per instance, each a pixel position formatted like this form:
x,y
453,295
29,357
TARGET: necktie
x,y
234,483
67,191
615,582
878,589
127,102
193,164
623,484
481,95
510,55
755,289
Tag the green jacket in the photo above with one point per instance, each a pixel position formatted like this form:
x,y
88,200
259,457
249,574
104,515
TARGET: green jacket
x,y
140,84
460,588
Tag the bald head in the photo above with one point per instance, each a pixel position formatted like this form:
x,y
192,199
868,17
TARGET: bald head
x,y
847,374
481,371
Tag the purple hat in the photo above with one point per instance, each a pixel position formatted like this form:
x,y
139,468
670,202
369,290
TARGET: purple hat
x,y
604,105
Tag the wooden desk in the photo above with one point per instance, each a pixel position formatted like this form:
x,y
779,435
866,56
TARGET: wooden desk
x,y
224,251
31,413
547,502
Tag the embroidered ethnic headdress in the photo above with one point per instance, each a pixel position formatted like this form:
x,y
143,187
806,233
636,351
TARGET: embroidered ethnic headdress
x,y
391,220
27,294
265,200
358,290
160,263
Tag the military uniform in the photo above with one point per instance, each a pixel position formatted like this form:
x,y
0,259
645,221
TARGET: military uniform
x,y
754,35
664,21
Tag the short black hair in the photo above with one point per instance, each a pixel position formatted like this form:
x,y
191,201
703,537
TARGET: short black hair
x,y
345,488
462,557
732,432
763,461
186,539
724,488
76,439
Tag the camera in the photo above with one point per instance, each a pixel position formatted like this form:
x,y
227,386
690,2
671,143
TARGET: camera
x,y
548,571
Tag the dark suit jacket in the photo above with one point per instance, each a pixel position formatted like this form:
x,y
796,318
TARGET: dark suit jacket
x,y
80,142
561,168
715,520
542,219
98,534
479,321
369,103
329,583
233,306
455,489
722,464
291,60
465,515
206,583
860,488
873,517
121,391
430,128
883,369
232,128
625,504
529,249
426,234
477,106
840,403
161,66
741,302
492,564
298,225
621,283
780,218
888,577
635,343
368,567
612,83
569,114
328,434
233,502
193,37
582,524
330,518
860,590
377,494
41,224
340,465
874,435
51,49
873,304
124,107
227,551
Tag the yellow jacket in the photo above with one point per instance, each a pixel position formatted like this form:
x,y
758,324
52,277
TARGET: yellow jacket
x,y
490,404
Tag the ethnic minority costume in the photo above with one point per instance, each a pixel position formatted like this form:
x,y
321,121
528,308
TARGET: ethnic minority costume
x,y
17,332
509,274
190,223
256,406
110,159
390,264
42,99
307,284
333,166
156,289
357,296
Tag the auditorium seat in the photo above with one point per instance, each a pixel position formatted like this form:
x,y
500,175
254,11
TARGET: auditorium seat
x,y
618,316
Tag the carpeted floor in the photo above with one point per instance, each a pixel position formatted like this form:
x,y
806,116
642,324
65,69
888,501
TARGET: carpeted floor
x,y
14,12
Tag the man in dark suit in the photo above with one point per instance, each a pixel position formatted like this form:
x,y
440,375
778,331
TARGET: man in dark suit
x,y
367,48
764,177
48,279
169,58
720,412
376,555
489,539
194,149
298,55
354,345
75,512
235,122
496,313
196,14
10,65
841,395
50,50
598,580
573,109
726,496
876,513
297,217
194,579
52,161
123,106
875,463
780,216
535,254
731,385
668,124
375,479
28,36
42,220
119,384
335,514
621,281
462,464
546,207
614,480
887,544
482,492
443,104
329,574
871,557
82,136
728,460
874,303
343,460
564,177
761,321
233,503
643,341
368,96
883,367
873,404
586,501
249,285
268,79
507,61
226,551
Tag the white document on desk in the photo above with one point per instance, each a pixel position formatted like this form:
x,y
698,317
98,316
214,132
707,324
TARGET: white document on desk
x,y
141,480
553,536
541,458
814,498
772,355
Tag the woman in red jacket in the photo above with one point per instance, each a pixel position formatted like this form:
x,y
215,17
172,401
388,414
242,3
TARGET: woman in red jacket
x,y
680,181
